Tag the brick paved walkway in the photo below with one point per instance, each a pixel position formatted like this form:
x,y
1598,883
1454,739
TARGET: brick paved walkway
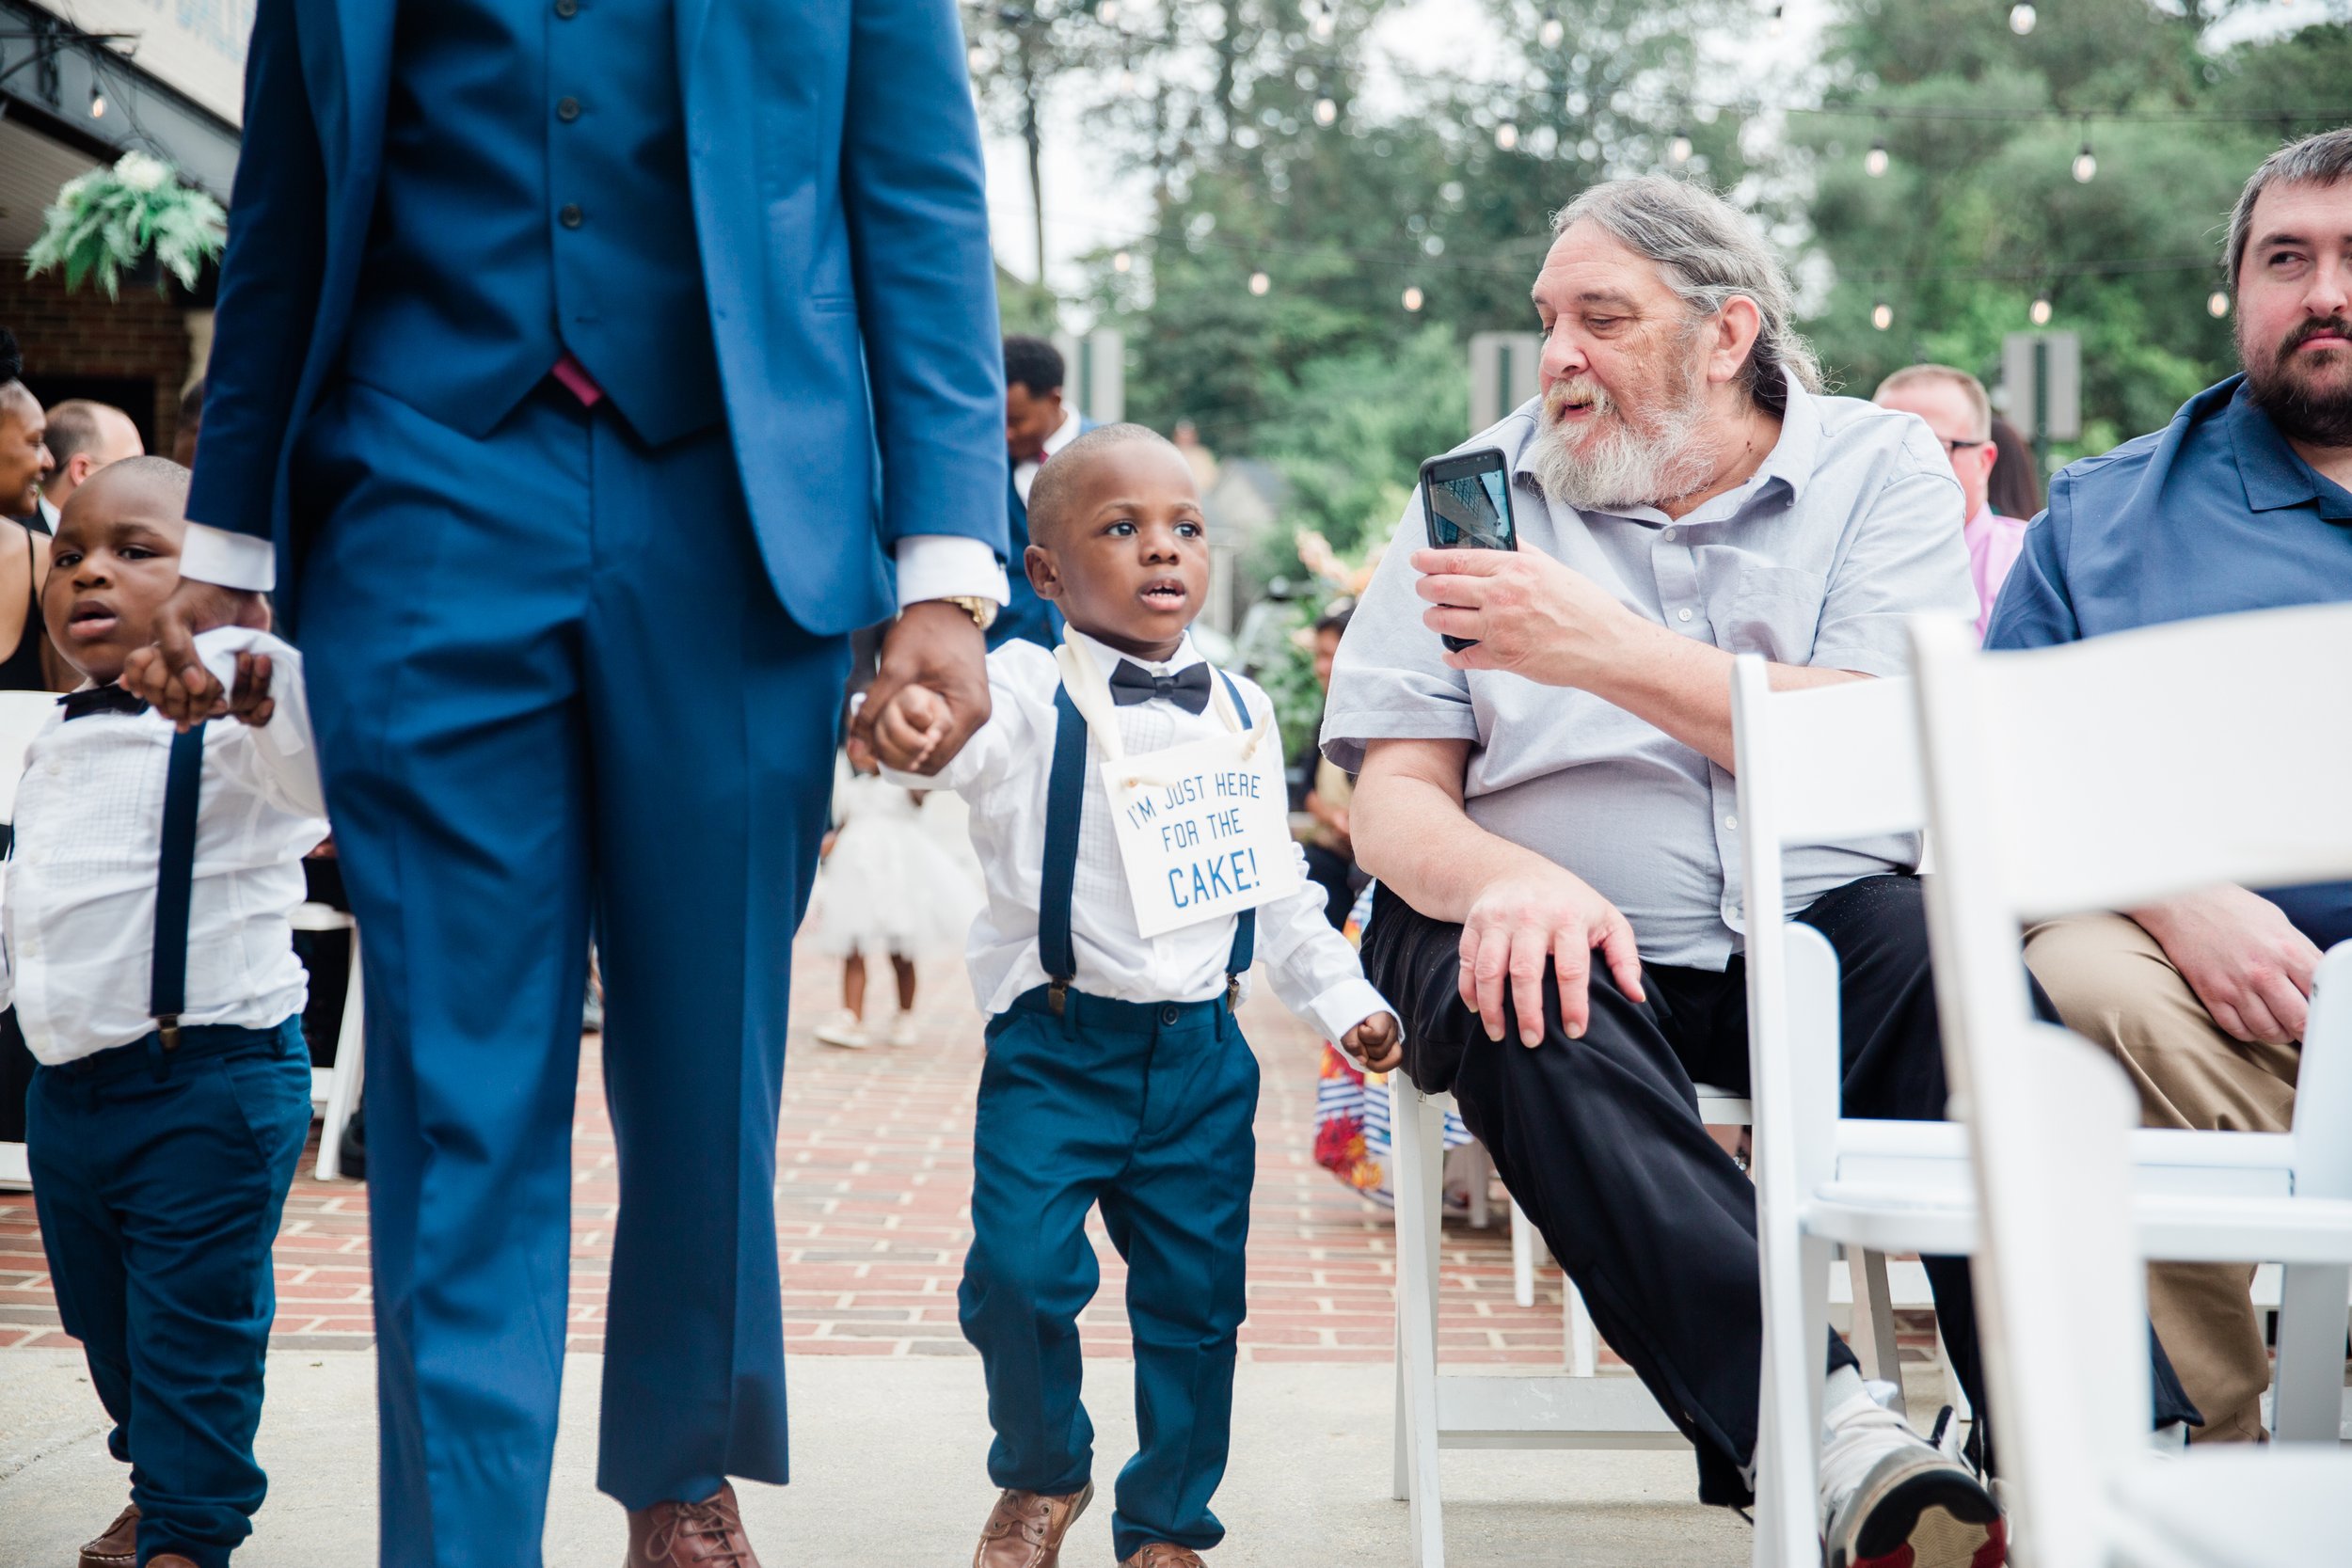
x,y
873,1183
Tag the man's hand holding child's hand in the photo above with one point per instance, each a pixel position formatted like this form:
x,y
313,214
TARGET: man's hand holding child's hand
x,y
1374,1043
907,729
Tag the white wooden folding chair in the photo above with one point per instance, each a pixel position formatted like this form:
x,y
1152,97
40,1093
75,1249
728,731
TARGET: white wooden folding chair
x,y
335,1092
1434,1411
2084,777
1834,765
2084,1489
22,716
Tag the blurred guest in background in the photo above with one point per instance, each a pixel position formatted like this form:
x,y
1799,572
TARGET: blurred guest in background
x,y
1325,788
84,437
1954,406
2016,487
191,423
1038,424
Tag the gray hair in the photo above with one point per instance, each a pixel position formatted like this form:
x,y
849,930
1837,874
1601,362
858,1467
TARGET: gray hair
x,y
2325,159
1710,253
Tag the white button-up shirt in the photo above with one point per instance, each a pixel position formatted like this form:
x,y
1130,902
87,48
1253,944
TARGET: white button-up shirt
x,y
1002,773
79,908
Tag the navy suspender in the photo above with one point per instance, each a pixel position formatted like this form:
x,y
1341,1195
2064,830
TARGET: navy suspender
x,y
1065,796
175,879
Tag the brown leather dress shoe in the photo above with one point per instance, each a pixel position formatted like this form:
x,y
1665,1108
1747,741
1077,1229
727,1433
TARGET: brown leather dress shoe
x,y
1159,1554
169,1559
119,1545
708,1534
1024,1528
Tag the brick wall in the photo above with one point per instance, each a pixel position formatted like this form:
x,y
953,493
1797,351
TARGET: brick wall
x,y
68,336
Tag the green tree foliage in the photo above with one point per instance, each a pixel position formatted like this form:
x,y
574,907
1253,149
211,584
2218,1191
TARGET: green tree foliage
x,y
1973,220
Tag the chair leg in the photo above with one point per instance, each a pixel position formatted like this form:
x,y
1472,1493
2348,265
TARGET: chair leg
x,y
1584,1345
1479,1167
1874,1323
1787,1440
1522,1255
1417,1137
350,1072
2308,1407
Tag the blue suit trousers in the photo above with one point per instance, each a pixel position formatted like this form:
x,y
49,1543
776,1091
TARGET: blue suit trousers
x,y
159,1182
1145,1110
554,691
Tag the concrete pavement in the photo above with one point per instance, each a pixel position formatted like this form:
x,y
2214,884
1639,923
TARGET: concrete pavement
x,y
889,1457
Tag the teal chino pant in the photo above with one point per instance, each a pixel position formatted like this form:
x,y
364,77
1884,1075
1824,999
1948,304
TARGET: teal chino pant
x,y
1144,1109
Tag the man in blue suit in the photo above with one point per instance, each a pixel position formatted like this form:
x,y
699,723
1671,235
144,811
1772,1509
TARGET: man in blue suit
x,y
584,372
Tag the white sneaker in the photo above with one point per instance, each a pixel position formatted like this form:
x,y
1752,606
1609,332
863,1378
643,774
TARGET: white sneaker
x,y
902,1030
842,1028
1892,1499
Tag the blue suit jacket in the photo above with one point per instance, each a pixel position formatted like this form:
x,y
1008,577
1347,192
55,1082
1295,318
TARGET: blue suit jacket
x,y
842,222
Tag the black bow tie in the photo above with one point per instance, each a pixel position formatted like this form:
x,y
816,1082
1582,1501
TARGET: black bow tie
x,y
1188,688
99,698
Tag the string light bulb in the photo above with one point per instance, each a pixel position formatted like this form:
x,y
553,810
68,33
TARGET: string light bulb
x,y
2039,311
1412,298
2086,165
1260,283
1882,315
2218,304
1773,27
1679,148
97,102
1552,30
1108,11
1321,28
2020,18
1874,161
1123,262
1506,135
1325,111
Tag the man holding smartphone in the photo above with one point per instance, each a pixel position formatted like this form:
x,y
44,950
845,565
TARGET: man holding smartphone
x,y
1555,778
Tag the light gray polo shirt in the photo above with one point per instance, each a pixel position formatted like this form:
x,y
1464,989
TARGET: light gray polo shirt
x,y
1851,524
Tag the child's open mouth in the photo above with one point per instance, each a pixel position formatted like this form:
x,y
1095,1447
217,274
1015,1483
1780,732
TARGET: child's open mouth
x,y
89,622
1165,593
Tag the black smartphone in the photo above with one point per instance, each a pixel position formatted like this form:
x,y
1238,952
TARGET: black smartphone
x,y
1465,499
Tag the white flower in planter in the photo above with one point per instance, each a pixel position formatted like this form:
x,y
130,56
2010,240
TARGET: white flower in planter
x,y
138,172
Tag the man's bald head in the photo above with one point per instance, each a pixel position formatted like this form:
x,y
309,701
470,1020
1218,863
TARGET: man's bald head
x,y
84,437
1062,479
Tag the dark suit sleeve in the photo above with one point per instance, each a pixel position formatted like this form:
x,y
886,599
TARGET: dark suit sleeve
x,y
269,286
2035,610
912,184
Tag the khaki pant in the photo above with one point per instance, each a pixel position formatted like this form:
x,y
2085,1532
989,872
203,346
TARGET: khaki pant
x,y
2114,987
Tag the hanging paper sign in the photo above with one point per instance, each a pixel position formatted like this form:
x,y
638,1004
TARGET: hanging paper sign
x,y
1203,831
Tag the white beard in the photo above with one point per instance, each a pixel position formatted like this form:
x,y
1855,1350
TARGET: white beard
x,y
1622,465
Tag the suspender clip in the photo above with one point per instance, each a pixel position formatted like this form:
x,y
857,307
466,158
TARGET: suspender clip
x,y
1057,995
1232,991
167,1027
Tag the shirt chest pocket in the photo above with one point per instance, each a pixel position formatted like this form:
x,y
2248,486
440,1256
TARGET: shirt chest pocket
x,y
1772,611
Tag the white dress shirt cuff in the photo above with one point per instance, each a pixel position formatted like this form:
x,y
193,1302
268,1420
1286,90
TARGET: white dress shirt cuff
x,y
948,566
1345,1006
231,560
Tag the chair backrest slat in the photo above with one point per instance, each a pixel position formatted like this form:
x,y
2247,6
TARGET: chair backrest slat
x,y
1846,761
2123,769
22,716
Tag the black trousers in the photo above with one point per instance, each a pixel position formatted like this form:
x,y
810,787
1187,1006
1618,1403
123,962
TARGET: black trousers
x,y
1600,1142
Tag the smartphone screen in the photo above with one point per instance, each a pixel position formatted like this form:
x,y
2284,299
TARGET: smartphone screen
x,y
1467,501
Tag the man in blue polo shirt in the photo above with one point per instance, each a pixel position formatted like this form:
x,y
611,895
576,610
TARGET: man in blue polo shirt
x,y
2244,501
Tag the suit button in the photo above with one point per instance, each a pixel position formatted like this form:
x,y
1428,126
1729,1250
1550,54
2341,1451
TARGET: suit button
x,y
571,217
568,109
1167,1016
567,9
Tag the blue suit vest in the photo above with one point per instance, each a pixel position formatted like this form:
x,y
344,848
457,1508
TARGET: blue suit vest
x,y
549,134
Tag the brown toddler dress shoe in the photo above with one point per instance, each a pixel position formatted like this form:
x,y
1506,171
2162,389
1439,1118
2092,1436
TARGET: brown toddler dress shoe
x,y
1159,1554
1024,1528
118,1546
708,1534
169,1559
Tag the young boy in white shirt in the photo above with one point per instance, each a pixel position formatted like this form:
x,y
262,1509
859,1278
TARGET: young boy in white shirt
x,y
152,968
1116,1073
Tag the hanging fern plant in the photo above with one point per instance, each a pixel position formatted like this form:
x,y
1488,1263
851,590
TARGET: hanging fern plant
x,y
109,221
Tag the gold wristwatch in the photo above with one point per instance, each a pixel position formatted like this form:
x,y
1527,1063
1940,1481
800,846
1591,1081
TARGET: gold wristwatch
x,y
982,611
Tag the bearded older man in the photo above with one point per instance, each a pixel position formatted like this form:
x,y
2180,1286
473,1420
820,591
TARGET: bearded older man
x,y
2244,501
1683,494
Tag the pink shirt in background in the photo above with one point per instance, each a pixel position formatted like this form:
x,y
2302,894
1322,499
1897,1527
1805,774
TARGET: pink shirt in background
x,y
1993,542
